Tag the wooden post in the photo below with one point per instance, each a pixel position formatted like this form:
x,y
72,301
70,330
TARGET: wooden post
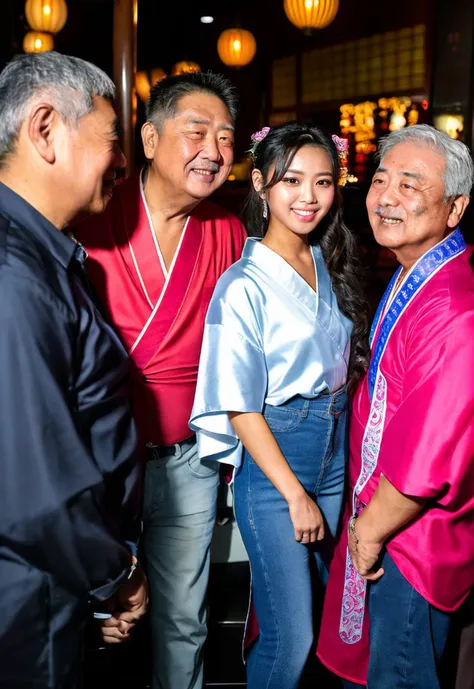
x,y
124,72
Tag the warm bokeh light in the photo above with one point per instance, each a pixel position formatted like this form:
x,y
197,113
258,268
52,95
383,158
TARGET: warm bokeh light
x,y
37,42
185,67
46,15
311,14
145,80
236,47
452,125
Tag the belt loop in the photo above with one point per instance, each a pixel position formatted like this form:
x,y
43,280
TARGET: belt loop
x,y
178,450
305,410
153,450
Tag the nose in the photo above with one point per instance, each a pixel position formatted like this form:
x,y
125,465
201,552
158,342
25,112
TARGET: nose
x,y
210,149
388,196
308,193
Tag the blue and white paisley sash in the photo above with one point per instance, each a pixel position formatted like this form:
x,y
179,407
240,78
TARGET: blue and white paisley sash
x,y
353,599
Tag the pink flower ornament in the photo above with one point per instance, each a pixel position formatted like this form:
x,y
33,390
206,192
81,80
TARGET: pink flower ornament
x,y
256,139
259,136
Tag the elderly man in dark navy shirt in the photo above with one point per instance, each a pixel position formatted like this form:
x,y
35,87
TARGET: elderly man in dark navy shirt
x,y
68,468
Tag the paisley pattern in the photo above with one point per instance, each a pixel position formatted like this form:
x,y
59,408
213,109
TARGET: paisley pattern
x,y
353,598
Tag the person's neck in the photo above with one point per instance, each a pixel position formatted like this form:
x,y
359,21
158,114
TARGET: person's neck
x,y
163,202
38,193
286,243
407,256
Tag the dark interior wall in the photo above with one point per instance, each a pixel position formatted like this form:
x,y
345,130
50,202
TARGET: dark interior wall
x,y
170,31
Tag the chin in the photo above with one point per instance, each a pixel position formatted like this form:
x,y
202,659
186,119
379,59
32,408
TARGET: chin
x,y
202,191
99,205
389,242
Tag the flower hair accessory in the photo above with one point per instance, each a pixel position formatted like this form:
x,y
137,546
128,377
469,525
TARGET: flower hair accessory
x,y
342,147
256,139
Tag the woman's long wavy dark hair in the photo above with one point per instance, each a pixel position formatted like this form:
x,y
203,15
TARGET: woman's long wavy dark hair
x,y
337,243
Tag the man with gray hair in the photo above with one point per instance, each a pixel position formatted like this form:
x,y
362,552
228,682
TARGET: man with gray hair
x,y
68,482
408,547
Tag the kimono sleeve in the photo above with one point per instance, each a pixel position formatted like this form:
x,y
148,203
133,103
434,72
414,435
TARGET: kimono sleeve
x,y
428,445
232,375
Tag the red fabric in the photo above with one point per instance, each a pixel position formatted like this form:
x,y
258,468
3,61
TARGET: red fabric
x,y
427,451
167,357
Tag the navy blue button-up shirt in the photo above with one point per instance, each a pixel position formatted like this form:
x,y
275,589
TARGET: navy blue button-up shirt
x,y
68,470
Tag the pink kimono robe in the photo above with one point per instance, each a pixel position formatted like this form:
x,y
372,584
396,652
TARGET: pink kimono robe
x,y
419,433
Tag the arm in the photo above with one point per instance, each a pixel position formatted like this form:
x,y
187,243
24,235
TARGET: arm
x,y
260,443
427,444
387,512
52,492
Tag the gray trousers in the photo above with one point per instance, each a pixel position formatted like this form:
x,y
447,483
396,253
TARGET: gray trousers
x,y
179,513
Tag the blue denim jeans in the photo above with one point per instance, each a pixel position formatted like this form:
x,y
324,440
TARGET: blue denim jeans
x,y
179,511
312,435
407,635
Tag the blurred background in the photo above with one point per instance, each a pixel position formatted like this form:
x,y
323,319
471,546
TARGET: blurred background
x,y
358,68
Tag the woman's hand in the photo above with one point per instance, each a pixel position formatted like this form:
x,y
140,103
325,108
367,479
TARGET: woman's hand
x,y
307,519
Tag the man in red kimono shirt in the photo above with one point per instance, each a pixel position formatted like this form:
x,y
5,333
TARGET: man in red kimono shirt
x,y
155,256
408,528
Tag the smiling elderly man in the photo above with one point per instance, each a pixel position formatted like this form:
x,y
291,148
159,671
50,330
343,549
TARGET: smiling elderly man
x,y
155,257
408,546
69,470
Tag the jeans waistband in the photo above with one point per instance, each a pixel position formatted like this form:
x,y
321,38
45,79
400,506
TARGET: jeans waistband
x,y
156,452
326,402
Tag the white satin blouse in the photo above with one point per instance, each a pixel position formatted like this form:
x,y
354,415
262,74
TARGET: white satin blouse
x,y
268,337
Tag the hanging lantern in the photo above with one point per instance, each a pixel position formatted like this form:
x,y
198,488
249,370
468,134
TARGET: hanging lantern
x,y
46,15
37,42
185,67
236,47
311,14
145,80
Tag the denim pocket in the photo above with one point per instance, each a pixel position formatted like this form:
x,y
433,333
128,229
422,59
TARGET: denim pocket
x,y
281,420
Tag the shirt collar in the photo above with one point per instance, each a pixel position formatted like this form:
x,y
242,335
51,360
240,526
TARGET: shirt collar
x,y
14,207
286,276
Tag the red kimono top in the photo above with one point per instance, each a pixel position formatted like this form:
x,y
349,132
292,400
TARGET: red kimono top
x,y
416,427
159,314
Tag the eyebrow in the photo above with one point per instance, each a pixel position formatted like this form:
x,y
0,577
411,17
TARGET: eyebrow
x,y
404,173
227,127
318,174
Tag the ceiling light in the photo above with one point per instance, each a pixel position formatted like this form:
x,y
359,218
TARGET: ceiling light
x,y
207,20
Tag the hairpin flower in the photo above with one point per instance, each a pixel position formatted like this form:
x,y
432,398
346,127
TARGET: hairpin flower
x,y
257,138
342,145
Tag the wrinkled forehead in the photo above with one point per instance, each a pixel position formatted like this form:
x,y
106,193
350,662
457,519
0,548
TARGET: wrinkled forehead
x,y
203,106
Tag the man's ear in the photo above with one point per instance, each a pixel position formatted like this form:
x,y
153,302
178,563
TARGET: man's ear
x,y
258,182
458,207
40,127
149,139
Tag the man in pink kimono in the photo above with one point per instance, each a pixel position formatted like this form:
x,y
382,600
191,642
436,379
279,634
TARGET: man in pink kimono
x,y
405,561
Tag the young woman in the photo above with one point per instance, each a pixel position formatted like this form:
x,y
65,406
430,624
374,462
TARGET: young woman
x,y
271,397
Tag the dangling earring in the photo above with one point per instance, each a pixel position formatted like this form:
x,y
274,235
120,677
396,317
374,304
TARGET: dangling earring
x,y
265,209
